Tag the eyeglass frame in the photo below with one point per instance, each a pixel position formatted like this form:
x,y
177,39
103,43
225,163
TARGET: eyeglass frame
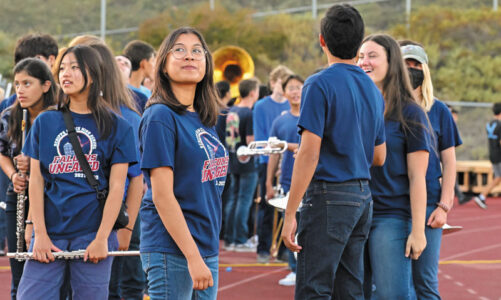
x,y
186,53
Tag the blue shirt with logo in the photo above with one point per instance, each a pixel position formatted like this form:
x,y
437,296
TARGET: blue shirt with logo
x,y
134,120
199,162
343,106
71,207
266,111
445,135
390,183
285,128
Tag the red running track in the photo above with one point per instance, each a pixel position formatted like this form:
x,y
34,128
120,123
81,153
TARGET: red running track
x,y
470,266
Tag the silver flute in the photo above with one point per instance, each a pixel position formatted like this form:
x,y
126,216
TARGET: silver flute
x,y
67,255
271,146
21,197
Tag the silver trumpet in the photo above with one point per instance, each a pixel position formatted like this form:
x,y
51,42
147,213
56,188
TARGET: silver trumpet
x,y
271,146
67,255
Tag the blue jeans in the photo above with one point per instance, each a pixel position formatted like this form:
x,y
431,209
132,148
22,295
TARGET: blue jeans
x,y
425,269
335,222
88,280
238,207
391,270
169,278
128,280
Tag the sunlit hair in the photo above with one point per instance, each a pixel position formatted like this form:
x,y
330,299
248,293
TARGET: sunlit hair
x,y
396,86
89,62
87,39
206,102
427,87
35,68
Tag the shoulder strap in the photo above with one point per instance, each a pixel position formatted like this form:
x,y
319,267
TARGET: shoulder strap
x,y
72,135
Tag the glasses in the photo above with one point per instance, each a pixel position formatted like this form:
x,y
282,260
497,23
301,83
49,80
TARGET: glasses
x,y
179,52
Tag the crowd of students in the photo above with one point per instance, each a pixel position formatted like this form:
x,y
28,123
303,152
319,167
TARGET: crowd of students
x,y
370,155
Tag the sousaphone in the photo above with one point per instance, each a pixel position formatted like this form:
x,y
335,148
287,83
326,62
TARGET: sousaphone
x,y
232,63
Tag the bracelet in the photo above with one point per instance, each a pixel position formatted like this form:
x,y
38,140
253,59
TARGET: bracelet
x,y
443,206
28,222
128,228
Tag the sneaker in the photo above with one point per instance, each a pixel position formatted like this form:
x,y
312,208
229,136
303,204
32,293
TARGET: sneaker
x,y
480,202
245,248
288,280
2,253
263,258
463,200
229,246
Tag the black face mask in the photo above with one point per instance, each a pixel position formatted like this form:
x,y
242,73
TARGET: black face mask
x,y
417,77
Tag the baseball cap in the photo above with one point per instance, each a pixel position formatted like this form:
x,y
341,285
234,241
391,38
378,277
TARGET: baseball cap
x,y
414,52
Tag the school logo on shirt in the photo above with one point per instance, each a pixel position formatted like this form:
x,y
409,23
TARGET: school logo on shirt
x,y
66,160
216,164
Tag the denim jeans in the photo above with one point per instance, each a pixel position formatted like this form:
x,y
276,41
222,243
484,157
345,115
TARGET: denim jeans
x,y
425,269
128,280
335,222
238,207
169,278
88,280
16,267
265,215
391,270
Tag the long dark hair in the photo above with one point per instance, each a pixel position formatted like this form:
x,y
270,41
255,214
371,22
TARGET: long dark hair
x,y
89,61
206,102
36,68
114,90
396,87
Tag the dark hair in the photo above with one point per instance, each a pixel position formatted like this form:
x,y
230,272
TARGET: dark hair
x,y
89,61
136,51
206,102
32,45
246,86
396,86
114,90
343,30
291,77
39,70
496,108
222,88
264,91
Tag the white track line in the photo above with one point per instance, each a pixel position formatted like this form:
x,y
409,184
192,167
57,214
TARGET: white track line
x,y
471,251
232,285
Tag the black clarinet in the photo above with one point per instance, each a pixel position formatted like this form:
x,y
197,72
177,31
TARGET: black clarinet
x,y
21,197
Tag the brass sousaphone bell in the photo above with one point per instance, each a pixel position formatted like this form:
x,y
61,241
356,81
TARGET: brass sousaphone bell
x,y
232,63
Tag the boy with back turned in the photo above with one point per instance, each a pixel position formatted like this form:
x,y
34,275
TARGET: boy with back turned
x,y
342,134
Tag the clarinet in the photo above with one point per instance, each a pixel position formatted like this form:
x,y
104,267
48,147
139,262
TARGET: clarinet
x,y
21,197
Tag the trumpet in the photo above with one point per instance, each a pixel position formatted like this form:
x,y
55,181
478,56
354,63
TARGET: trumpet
x,y
67,255
271,146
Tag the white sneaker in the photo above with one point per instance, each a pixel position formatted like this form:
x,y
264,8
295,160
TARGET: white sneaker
x,y
229,247
288,280
245,248
480,202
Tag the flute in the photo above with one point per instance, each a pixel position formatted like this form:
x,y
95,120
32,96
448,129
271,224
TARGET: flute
x,y
21,197
67,255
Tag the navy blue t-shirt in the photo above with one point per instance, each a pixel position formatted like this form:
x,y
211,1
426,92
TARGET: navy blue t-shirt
x,y
266,111
7,102
343,106
238,128
390,183
134,120
139,97
199,162
493,129
445,135
71,205
285,128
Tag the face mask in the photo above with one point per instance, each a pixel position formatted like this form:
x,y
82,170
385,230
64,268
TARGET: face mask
x,y
417,77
